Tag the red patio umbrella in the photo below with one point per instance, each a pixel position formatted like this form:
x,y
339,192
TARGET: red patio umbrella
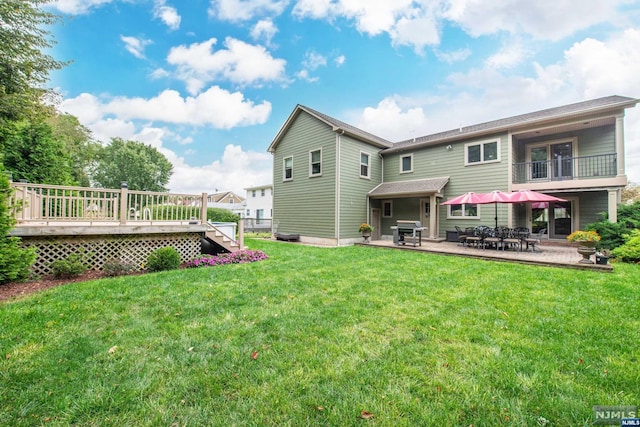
x,y
497,196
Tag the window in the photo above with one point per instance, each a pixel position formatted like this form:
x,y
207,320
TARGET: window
x,y
463,211
231,200
262,193
259,216
253,193
387,209
406,163
248,213
364,165
288,169
482,152
315,161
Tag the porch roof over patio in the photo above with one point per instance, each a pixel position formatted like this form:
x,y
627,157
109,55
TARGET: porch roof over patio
x,y
409,188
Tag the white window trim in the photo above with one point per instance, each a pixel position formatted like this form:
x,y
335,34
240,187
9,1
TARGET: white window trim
x,y
284,169
390,209
368,175
311,174
482,144
463,216
402,157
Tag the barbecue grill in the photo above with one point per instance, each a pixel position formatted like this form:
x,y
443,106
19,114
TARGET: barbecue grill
x,y
406,230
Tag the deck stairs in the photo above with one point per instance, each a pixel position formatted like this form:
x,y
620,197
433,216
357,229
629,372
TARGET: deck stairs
x,y
218,237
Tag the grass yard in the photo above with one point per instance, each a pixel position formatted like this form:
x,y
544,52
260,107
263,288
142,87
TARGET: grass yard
x,y
326,336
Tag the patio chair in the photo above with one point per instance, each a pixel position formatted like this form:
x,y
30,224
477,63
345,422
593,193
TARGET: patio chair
x,y
535,239
462,237
494,237
473,236
511,238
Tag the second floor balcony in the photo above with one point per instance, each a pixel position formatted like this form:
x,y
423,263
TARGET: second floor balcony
x,y
566,168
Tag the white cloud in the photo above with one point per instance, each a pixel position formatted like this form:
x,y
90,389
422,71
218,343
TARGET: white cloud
x,y
543,19
245,10
77,7
389,120
264,30
407,22
215,107
236,170
160,73
240,63
304,75
454,56
135,46
340,60
508,56
167,14
313,60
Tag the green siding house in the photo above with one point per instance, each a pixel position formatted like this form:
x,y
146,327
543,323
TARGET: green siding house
x,y
329,176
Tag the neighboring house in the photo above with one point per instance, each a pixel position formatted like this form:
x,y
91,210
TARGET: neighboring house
x,y
259,202
329,177
227,200
258,208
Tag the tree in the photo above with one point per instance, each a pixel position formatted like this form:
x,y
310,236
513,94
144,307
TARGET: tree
x,y
24,67
32,153
14,260
78,143
141,166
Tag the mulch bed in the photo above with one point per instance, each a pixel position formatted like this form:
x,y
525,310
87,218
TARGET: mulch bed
x,y
17,289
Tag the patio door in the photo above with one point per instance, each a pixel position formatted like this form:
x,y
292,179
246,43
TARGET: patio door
x,y
376,222
425,214
551,161
558,218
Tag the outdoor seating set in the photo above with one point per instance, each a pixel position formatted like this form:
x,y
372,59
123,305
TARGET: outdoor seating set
x,y
483,237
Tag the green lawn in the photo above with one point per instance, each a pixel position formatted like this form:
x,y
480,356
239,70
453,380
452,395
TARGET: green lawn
x,y
316,336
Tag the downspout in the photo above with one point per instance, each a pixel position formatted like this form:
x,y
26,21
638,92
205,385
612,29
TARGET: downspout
x,y
337,214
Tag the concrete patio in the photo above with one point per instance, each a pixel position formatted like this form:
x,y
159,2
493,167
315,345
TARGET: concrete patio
x,y
555,254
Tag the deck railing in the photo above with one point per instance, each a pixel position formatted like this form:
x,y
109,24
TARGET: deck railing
x,y
36,204
566,168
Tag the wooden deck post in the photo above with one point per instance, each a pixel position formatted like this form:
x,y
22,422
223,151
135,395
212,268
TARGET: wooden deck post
x,y
124,213
203,209
241,233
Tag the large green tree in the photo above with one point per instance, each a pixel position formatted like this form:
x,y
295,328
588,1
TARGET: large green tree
x,y
32,152
78,143
141,166
24,65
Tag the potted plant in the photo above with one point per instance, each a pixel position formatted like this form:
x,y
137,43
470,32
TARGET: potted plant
x,y
586,240
366,230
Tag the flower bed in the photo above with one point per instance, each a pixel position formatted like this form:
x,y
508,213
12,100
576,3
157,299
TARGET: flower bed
x,y
240,257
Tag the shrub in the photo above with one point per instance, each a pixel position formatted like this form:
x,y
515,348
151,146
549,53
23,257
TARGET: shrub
x,y
630,250
221,215
239,257
71,266
14,260
613,233
166,258
115,267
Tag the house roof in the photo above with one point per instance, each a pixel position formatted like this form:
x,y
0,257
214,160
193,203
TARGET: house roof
x,y
336,125
408,188
564,112
217,197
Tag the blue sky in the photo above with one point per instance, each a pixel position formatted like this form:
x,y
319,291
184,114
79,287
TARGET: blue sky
x,y
210,82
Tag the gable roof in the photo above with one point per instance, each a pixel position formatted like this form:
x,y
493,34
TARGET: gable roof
x,y
408,188
566,111
336,126
217,197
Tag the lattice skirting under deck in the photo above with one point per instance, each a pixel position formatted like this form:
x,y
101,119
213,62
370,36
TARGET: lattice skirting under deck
x,y
127,248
